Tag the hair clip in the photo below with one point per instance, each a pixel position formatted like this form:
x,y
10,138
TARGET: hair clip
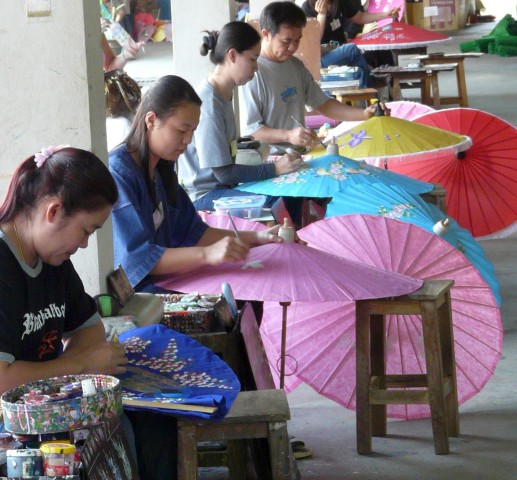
x,y
41,157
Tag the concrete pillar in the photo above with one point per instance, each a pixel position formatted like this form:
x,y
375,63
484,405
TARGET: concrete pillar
x,y
51,92
187,36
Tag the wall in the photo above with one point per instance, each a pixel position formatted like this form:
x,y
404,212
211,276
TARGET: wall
x,y
51,92
187,28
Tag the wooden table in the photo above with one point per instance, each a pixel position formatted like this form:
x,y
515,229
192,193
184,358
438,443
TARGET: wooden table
x,y
458,58
427,75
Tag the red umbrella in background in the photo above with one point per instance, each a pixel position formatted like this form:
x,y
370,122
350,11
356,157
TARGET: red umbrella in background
x,y
397,36
481,183
320,343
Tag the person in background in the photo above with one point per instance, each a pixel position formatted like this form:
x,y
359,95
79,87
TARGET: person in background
x,y
156,229
275,100
49,326
207,169
114,62
332,16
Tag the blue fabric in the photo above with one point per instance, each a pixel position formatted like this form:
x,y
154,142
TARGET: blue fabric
x,y
137,245
172,368
348,54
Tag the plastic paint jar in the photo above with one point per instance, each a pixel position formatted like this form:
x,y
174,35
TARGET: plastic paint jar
x,y
24,463
59,458
7,442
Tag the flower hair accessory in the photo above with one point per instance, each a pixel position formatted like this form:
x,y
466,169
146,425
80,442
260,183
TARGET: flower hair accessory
x,y
41,157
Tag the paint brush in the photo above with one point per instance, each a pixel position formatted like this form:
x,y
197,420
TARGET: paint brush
x,y
300,124
233,225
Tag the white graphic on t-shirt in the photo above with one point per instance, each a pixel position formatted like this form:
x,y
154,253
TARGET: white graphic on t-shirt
x,y
34,322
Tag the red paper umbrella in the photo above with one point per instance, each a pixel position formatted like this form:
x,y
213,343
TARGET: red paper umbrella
x,y
481,183
398,35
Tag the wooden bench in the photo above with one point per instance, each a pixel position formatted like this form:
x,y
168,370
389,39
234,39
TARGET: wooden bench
x,y
437,387
427,76
255,414
357,97
462,98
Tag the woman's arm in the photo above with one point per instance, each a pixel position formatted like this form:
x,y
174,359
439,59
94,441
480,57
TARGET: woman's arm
x,y
86,352
216,246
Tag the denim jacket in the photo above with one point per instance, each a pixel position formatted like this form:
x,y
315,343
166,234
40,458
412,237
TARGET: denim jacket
x,y
137,244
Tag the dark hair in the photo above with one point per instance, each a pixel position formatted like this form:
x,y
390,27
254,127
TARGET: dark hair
x,y
276,14
238,35
77,177
163,98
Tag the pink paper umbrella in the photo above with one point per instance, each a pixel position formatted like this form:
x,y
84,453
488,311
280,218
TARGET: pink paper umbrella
x,y
289,272
408,110
321,339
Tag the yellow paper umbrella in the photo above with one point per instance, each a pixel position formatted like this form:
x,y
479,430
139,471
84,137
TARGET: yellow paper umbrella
x,y
381,138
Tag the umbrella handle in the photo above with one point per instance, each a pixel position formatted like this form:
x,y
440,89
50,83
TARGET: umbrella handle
x,y
284,341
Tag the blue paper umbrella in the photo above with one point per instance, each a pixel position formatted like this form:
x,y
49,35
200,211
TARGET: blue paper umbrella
x,y
394,202
174,374
327,175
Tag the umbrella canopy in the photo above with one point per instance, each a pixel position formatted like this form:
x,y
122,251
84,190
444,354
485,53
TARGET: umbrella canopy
x,y
397,35
289,272
393,202
329,174
481,183
174,374
407,110
275,271
381,139
321,337
399,109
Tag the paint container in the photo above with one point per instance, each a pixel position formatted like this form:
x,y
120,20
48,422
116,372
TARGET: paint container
x,y
441,227
286,232
7,442
58,458
88,387
24,463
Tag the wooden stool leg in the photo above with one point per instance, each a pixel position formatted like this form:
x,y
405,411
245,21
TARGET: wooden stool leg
x,y
449,366
377,349
433,357
236,459
187,452
436,89
462,86
397,93
363,413
279,451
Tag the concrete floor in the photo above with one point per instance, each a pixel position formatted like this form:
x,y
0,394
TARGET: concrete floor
x,y
487,446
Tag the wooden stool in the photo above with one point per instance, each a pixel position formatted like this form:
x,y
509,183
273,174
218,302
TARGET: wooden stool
x,y
426,76
462,98
254,414
355,97
375,389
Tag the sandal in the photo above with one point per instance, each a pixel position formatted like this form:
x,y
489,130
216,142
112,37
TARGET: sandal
x,y
300,450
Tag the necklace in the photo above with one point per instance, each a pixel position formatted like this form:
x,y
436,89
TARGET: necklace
x,y
18,242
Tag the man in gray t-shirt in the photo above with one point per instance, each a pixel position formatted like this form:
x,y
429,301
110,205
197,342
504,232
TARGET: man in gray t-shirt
x,y
274,101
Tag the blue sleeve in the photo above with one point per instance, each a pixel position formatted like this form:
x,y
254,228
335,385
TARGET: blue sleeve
x,y
138,246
